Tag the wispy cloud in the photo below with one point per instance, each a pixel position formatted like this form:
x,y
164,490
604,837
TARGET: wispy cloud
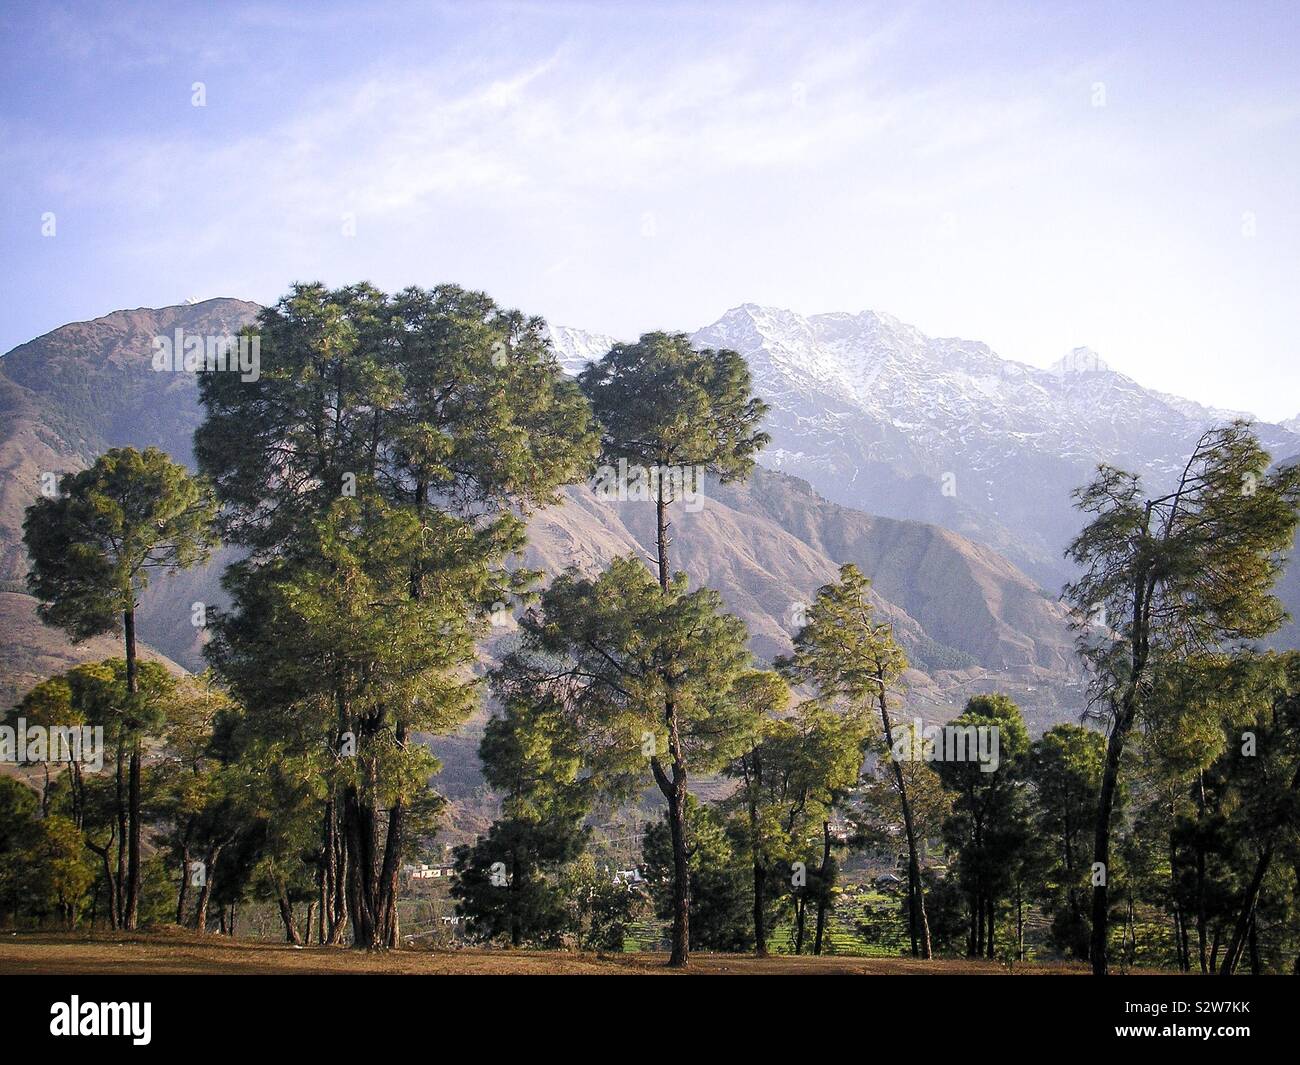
x,y
623,166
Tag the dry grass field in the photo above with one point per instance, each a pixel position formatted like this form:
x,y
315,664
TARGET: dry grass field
x,y
181,954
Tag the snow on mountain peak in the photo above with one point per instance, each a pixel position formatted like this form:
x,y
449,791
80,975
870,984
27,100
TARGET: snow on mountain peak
x,y
575,348
878,415
1079,361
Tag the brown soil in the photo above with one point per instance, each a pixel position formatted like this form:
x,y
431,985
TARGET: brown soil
x,y
110,954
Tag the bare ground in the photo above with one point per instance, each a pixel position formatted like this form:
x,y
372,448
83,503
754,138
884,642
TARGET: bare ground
x,y
179,953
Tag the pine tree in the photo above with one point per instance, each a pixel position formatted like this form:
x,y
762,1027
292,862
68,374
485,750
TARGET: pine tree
x,y
507,882
988,829
1065,768
642,673
1261,767
793,776
850,657
386,455
1184,573
719,918
19,825
93,548
1244,809
675,412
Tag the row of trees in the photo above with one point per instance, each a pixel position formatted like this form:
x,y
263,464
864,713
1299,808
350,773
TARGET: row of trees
x,y
1008,841
1014,837
230,817
376,480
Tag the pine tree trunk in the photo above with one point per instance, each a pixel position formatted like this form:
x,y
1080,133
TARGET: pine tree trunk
x,y
972,935
1130,933
681,873
514,891
372,879
205,892
1180,918
1125,715
110,884
1020,924
389,884
123,828
333,905
823,894
359,831
1101,840
291,934
675,789
182,893
78,795
132,902
988,904
1246,915
1201,918
918,923
760,871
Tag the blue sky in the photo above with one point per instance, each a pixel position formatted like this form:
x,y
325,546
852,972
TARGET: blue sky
x,y
1036,176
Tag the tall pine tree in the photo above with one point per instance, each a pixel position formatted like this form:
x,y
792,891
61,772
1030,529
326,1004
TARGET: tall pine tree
x,y
676,413
377,473
1163,578
94,546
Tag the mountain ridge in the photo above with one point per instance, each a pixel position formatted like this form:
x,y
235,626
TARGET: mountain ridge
x,y
861,423
878,416
768,546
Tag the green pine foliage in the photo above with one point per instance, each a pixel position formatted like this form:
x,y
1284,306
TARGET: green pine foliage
x,y
376,474
95,544
1168,578
376,480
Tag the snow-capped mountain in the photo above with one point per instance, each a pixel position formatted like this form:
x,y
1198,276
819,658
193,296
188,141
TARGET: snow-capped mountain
x,y
969,620
878,416
577,347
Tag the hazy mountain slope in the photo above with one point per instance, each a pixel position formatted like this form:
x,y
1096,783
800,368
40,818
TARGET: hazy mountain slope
x,y
970,598
90,385
71,394
878,416
31,651
96,385
968,619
